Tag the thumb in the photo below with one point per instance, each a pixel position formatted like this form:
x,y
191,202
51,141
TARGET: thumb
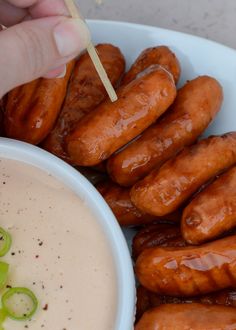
x,y
31,49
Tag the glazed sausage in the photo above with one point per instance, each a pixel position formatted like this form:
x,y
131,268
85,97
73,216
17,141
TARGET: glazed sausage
x,y
189,271
164,235
119,201
165,189
196,105
32,109
112,125
160,55
85,92
118,198
147,300
212,212
189,317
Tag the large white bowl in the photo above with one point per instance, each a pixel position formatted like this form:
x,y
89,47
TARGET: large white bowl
x,y
198,56
29,154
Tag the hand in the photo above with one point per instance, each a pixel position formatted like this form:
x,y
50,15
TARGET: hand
x,y
39,40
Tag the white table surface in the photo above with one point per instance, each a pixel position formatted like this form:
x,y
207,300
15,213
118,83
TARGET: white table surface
x,y
213,19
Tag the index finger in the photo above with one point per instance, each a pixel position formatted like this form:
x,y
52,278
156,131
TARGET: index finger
x,y
41,8
15,11
44,8
22,3
10,15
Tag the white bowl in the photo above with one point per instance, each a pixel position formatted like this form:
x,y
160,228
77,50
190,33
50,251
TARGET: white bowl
x,y
29,154
197,56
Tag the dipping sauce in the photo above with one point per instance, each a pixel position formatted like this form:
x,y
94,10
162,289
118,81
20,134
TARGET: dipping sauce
x,y
58,251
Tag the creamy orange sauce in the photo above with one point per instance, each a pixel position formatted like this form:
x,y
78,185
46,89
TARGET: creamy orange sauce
x,y
58,251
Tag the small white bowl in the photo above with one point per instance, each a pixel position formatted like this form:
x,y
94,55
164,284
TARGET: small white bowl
x,y
23,152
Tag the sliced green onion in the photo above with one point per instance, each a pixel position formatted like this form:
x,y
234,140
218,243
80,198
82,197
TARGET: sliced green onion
x,y
4,268
16,297
2,318
6,239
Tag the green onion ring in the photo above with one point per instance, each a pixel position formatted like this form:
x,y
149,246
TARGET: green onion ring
x,y
14,291
7,242
4,268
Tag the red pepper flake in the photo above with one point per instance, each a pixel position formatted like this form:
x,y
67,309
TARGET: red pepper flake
x,y
45,308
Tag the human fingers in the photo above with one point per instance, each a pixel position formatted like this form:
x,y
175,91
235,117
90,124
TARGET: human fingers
x,y
31,49
10,15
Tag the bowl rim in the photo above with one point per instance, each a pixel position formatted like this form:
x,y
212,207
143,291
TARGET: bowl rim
x,y
33,155
147,28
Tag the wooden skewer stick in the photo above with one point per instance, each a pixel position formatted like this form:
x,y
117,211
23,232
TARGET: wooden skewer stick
x,y
73,10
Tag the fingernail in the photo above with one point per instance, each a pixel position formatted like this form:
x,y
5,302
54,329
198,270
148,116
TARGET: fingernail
x,y
71,36
59,72
62,75
2,27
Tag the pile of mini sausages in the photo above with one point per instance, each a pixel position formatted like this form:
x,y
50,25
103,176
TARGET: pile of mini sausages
x,y
178,189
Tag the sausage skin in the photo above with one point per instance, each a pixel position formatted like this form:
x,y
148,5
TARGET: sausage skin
x,y
85,93
164,235
119,201
189,317
189,271
147,300
160,55
196,105
112,125
32,109
118,198
212,212
165,189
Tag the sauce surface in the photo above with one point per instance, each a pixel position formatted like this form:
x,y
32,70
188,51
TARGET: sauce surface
x,y
58,251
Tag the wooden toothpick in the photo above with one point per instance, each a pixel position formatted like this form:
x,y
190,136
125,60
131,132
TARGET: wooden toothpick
x,y
74,12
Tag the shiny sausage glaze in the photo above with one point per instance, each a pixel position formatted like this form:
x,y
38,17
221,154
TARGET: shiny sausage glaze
x,y
196,105
32,109
212,212
165,189
85,93
164,235
112,125
160,55
119,201
189,271
118,198
147,300
188,317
